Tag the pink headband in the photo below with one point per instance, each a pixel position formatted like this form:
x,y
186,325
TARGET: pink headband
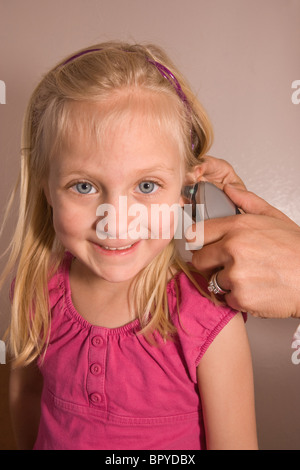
x,y
164,71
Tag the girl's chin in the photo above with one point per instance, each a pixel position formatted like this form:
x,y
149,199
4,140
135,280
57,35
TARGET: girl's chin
x,y
119,275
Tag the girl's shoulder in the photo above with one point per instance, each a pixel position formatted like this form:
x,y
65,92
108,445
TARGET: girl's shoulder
x,y
191,286
187,280
197,315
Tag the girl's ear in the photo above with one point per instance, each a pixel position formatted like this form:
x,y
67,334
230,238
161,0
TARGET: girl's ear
x,y
191,178
194,175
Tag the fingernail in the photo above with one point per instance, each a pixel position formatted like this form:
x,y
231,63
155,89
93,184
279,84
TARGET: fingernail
x,y
190,232
194,236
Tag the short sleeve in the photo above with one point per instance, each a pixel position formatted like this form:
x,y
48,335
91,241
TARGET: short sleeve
x,y
199,320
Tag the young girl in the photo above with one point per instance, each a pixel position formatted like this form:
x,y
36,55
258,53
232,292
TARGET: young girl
x,y
115,341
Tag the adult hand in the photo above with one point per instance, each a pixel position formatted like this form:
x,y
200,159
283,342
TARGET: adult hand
x,y
257,253
219,172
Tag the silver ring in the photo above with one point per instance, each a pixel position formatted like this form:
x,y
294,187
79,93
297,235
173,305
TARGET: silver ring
x,y
214,287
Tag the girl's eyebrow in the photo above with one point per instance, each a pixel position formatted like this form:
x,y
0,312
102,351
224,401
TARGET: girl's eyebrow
x,y
137,172
156,168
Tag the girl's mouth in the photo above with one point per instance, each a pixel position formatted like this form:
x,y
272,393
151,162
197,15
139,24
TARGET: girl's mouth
x,y
116,250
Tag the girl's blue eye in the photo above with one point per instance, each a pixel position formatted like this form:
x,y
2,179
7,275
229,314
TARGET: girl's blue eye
x,y
84,188
147,187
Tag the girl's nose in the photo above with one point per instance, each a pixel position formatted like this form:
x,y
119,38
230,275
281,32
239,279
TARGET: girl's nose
x,y
112,224
119,220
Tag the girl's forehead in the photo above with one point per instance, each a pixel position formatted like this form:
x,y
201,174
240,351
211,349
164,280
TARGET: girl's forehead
x,y
102,137
96,122
127,150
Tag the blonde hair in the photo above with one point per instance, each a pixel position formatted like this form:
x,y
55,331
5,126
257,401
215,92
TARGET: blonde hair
x,y
112,67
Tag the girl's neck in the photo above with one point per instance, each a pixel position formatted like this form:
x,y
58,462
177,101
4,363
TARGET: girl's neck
x,y
100,302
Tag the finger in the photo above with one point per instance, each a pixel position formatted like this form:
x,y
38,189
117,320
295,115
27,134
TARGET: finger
x,y
250,203
210,258
223,280
214,229
217,170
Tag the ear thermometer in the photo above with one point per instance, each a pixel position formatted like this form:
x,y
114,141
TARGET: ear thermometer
x,y
208,202
215,202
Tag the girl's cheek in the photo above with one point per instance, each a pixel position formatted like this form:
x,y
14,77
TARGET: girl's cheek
x,y
163,221
68,220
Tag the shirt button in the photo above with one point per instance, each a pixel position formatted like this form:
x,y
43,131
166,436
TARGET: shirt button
x,y
95,369
95,398
97,341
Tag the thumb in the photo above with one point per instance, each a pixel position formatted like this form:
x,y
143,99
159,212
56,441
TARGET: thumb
x,y
250,203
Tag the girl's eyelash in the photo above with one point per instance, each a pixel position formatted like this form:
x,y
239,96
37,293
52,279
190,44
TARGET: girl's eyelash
x,y
83,182
73,185
158,183
151,181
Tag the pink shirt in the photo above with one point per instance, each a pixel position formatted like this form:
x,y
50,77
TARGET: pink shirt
x,y
110,389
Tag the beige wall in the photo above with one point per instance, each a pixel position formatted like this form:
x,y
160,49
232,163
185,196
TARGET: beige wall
x,y
241,57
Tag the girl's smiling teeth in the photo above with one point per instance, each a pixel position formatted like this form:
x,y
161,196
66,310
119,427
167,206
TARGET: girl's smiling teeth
x,y
115,248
